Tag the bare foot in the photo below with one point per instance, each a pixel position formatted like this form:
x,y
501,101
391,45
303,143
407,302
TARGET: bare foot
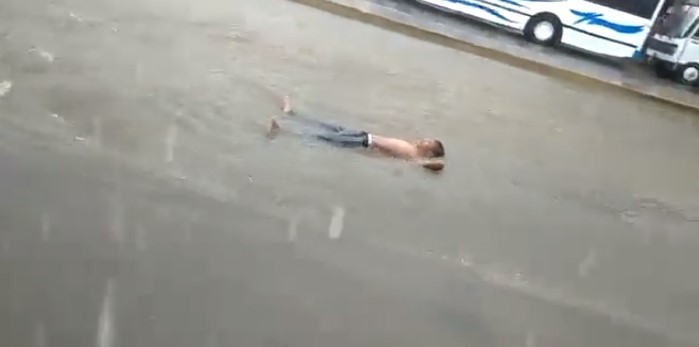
x,y
274,129
287,106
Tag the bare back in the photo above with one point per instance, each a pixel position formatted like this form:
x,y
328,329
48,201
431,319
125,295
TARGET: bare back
x,y
394,147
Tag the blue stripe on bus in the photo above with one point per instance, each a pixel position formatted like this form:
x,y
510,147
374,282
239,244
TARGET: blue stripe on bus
x,y
487,9
514,3
596,18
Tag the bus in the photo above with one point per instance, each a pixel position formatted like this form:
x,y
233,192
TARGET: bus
x,y
614,28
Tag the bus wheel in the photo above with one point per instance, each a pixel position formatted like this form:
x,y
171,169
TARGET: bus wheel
x,y
544,29
688,74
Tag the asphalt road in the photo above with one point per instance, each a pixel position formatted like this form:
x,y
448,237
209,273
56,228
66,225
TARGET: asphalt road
x,y
141,204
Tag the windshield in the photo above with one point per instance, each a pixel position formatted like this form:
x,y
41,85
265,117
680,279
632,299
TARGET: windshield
x,y
680,21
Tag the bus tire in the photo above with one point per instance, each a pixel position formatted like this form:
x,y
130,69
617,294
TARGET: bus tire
x,y
545,29
688,74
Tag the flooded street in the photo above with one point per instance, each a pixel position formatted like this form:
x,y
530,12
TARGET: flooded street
x,y
142,205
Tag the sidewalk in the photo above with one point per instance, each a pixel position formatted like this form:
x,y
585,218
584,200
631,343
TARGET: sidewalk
x,y
413,19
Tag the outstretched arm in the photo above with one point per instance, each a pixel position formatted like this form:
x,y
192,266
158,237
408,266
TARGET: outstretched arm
x,y
434,164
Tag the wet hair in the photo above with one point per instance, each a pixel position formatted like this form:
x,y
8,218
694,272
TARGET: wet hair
x,y
437,149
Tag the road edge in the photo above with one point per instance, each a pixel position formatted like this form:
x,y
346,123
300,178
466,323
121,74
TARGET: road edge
x,y
365,11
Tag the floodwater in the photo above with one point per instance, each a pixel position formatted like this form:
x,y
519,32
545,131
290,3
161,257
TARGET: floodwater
x,y
142,205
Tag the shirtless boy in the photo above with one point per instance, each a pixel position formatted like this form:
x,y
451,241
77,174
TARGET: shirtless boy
x,y
426,152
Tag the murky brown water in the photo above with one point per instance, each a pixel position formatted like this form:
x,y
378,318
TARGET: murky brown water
x,y
142,205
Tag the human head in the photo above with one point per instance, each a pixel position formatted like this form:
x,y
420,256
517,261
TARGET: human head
x,y
430,148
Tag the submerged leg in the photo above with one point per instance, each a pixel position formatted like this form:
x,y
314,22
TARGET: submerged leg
x,y
327,126
356,140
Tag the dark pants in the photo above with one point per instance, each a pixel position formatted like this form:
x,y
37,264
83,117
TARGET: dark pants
x,y
333,134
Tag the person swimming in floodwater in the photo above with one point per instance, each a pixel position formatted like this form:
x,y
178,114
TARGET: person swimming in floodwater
x,y
429,153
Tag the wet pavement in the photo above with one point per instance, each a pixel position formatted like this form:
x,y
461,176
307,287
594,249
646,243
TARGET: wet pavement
x,y
413,18
141,204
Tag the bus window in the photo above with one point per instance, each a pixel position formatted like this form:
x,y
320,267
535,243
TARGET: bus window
x,y
694,28
680,22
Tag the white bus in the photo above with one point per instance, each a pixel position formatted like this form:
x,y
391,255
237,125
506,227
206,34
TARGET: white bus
x,y
616,28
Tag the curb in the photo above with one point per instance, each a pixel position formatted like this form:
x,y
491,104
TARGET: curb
x,y
367,12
